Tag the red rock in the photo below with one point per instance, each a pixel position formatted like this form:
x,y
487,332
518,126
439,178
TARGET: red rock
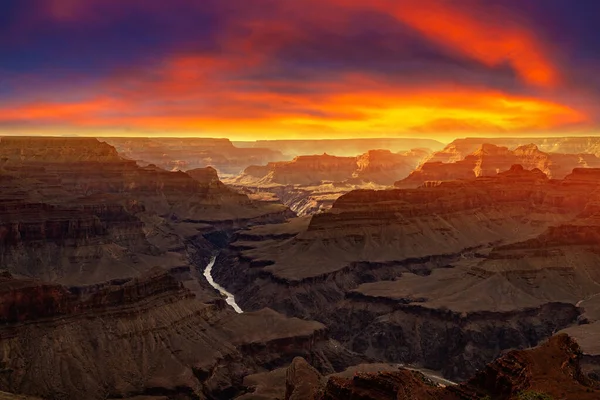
x,y
490,159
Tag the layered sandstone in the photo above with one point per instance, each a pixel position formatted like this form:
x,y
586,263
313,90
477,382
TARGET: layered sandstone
x,y
489,159
444,276
141,336
549,371
460,148
376,166
191,153
73,211
310,184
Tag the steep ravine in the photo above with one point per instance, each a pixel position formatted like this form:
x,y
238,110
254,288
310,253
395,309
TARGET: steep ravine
x,y
456,344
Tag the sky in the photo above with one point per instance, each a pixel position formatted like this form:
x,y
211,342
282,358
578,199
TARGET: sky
x,y
277,69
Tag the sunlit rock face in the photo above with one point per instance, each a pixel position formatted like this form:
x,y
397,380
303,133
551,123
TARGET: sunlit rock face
x,y
342,147
310,184
460,148
490,159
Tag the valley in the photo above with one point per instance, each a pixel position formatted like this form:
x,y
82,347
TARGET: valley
x,y
182,285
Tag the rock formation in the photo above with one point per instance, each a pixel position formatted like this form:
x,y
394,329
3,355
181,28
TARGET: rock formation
x,y
73,211
460,148
551,370
489,159
310,184
146,335
175,154
445,276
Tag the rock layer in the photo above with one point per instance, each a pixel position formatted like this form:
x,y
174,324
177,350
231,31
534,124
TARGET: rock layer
x,y
489,160
445,277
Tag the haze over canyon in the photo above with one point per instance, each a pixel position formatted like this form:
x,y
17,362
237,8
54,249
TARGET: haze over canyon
x,y
299,200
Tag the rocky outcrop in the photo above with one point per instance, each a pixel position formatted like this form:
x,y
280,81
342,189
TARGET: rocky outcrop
x,y
384,167
377,166
489,160
311,184
301,381
551,370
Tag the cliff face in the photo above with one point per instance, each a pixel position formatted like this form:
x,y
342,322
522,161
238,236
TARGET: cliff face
x,y
310,184
190,153
377,166
143,336
460,148
74,211
551,369
445,276
489,159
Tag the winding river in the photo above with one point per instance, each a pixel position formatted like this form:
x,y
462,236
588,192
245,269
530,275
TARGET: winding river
x,y
230,299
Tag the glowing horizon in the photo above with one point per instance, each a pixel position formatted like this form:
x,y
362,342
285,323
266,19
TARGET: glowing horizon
x,y
284,70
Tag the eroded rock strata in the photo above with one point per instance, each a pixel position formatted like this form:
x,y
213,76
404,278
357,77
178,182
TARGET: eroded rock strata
x,y
446,277
102,294
73,211
149,335
489,159
551,370
310,184
174,154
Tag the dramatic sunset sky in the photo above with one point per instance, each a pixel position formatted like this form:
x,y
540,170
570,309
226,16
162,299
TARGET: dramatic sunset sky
x,y
261,69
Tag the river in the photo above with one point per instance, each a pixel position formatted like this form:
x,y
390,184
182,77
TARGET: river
x,y
230,299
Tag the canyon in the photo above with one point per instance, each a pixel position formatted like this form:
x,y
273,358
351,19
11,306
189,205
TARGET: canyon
x,y
444,277
101,285
310,184
123,278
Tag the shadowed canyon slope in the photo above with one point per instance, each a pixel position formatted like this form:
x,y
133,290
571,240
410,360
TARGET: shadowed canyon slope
x,y
147,335
73,211
102,293
551,370
445,277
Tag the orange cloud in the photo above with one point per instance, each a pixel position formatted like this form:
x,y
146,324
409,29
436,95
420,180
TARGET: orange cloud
x,y
187,100
491,42
484,32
